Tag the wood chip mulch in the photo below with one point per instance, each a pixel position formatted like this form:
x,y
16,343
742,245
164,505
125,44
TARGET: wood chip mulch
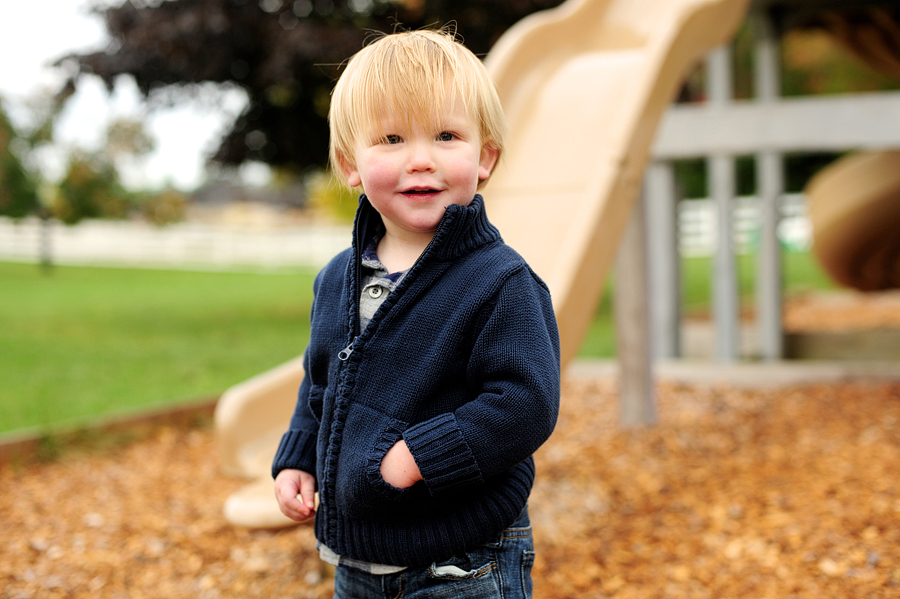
x,y
736,493
843,310
774,493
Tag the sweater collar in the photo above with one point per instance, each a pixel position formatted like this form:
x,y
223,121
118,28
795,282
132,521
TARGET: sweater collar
x,y
461,230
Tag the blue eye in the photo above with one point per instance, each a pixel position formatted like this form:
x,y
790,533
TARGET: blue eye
x,y
392,139
446,136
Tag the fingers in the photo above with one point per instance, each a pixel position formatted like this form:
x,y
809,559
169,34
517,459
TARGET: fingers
x,y
292,487
308,490
290,506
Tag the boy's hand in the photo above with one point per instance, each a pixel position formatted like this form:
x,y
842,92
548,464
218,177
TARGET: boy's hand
x,y
295,492
398,468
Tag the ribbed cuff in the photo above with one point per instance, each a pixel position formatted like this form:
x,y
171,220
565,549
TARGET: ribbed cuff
x,y
297,450
442,454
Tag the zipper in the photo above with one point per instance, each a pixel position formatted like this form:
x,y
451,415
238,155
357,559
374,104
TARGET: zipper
x,y
344,354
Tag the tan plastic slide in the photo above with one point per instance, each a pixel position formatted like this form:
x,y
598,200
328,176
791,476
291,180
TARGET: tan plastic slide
x,y
854,209
584,86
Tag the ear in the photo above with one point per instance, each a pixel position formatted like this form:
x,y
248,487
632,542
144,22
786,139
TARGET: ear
x,y
487,161
350,172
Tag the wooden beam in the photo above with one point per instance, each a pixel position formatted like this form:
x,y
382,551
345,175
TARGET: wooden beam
x,y
770,188
806,124
664,259
721,175
632,317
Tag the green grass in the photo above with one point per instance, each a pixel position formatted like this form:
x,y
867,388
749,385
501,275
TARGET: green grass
x,y
799,269
84,342
800,273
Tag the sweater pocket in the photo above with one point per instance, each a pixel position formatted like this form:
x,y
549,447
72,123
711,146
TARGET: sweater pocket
x,y
389,437
361,492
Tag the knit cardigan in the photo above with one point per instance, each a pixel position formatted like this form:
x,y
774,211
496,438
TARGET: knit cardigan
x,y
461,361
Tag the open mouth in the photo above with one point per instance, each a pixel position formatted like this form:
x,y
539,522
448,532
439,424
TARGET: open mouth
x,y
420,191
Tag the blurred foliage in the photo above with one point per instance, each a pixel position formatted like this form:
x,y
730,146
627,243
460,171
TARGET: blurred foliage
x,y
18,190
45,108
287,54
92,186
327,194
90,189
127,137
798,170
165,208
284,54
813,62
692,178
743,57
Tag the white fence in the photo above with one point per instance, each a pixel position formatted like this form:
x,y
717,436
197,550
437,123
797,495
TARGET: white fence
x,y
183,245
697,233
194,245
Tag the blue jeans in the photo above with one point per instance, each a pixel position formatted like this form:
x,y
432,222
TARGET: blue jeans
x,y
500,569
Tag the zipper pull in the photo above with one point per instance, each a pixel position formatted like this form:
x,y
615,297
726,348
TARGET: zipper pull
x,y
344,355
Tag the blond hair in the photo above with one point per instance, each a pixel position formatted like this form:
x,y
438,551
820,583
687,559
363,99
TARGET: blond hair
x,y
415,76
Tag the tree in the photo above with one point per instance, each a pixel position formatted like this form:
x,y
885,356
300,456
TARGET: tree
x,y
19,182
284,54
18,191
90,189
166,207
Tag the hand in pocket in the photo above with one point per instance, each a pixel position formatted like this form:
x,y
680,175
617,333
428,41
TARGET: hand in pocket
x,y
398,468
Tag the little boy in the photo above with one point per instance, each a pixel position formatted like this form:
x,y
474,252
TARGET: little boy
x,y
432,371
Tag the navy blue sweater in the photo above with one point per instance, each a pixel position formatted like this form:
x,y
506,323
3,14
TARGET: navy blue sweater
x,y
461,361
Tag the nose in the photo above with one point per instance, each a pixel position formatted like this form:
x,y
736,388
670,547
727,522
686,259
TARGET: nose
x,y
420,158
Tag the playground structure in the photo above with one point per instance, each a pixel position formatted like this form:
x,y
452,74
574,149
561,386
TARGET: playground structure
x,y
854,207
854,203
588,70
585,86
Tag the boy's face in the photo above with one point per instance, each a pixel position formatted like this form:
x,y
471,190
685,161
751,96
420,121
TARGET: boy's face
x,y
413,172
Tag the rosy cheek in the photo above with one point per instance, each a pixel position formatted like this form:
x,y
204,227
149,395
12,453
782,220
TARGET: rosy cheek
x,y
376,179
380,173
